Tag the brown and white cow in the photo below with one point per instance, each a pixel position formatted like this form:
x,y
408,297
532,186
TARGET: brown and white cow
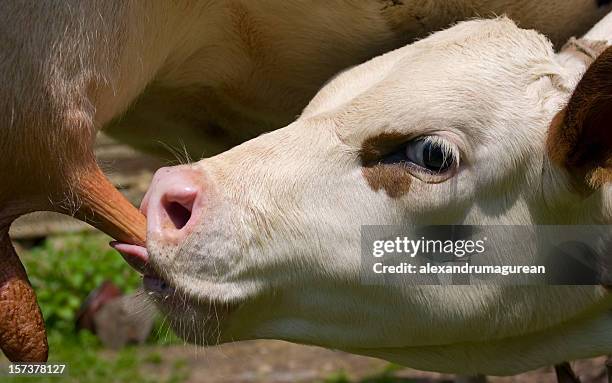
x,y
209,74
476,124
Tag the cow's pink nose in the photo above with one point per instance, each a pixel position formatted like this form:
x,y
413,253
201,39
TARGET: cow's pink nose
x,y
172,204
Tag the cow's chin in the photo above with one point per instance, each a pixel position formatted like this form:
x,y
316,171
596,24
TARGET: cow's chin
x,y
193,317
198,307
196,310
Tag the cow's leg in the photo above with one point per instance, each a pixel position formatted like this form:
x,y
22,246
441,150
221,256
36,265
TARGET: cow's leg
x,y
565,374
84,192
51,106
25,340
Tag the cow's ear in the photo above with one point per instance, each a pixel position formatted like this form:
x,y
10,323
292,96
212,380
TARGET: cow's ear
x,y
580,136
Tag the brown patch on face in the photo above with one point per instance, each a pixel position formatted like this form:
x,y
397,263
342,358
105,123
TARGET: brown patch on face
x,y
394,179
374,148
580,136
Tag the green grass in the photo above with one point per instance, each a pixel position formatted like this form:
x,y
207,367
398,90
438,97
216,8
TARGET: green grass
x,y
387,375
86,361
63,271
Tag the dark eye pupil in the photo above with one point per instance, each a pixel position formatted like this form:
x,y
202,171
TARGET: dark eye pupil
x,y
428,154
434,157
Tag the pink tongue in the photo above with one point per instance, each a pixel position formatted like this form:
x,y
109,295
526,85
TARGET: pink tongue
x,y
135,255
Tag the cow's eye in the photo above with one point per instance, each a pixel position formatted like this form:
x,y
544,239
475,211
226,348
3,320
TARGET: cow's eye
x,y
430,153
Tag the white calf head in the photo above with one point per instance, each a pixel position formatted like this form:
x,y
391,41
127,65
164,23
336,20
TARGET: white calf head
x,y
263,241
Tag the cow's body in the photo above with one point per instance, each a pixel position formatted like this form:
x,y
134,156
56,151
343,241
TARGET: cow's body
x,y
234,70
206,74
264,240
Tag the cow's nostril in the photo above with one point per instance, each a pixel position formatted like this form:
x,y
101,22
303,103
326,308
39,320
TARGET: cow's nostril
x,y
178,214
173,204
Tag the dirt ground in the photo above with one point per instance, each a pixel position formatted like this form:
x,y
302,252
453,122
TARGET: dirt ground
x,y
282,362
